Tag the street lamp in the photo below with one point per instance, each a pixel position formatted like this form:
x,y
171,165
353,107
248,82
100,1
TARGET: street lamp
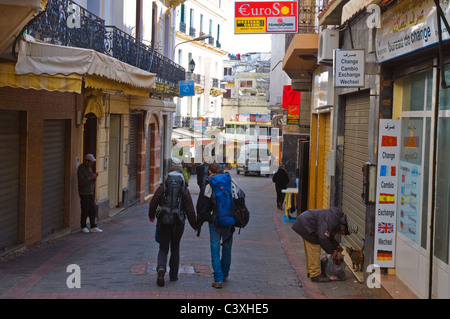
x,y
200,38
191,66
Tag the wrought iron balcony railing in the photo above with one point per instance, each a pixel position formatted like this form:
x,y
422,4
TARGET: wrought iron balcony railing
x,y
66,23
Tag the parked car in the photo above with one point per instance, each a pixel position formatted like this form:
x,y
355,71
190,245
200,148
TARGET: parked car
x,y
254,158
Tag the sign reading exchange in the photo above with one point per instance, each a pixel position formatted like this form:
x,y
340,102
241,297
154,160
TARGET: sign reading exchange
x,y
265,17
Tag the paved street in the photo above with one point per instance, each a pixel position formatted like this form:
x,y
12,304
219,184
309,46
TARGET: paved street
x,y
267,260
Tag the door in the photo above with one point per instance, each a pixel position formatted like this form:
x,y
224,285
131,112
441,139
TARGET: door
x,y
356,133
114,180
53,177
9,177
133,158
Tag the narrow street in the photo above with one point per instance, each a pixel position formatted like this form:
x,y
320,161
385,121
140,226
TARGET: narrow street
x,y
267,260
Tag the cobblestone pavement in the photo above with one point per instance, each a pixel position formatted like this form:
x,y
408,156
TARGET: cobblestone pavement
x,y
267,260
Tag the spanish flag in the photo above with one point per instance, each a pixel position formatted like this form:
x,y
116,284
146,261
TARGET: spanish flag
x,y
387,198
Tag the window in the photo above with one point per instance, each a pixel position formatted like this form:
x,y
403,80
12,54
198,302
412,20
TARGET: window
x,y
183,13
246,84
191,18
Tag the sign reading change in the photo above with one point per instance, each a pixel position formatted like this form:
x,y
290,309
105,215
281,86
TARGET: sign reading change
x,y
349,68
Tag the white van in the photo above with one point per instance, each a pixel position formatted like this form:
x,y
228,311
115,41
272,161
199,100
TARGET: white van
x,y
254,158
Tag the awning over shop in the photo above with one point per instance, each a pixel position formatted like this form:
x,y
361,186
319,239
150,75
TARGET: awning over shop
x,y
43,58
58,82
353,7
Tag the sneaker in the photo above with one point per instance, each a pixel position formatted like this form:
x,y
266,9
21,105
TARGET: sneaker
x,y
85,230
320,278
217,285
160,278
96,230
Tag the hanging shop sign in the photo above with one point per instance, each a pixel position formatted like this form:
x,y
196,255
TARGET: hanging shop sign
x,y
386,195
265,17
349,68
407,27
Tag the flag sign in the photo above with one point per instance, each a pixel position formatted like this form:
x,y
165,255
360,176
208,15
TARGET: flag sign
x,y
265,17
387,185
291,102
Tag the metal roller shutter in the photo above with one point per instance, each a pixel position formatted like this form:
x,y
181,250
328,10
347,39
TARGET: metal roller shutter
x,y
53,177
147,160
355,154
9,177
132,166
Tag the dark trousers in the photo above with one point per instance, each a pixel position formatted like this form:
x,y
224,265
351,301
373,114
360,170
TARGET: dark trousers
x,y
170,237
280,195
87,210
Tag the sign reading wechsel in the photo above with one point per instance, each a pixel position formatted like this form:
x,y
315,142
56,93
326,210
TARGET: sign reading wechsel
x,y
265,17
349,68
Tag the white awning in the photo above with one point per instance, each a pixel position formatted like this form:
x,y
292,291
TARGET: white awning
x,y
43,58
353,7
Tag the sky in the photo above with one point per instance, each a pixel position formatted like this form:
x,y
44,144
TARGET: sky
x,y
240,43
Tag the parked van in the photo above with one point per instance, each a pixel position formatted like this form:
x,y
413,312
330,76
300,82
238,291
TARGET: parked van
x,y
254,158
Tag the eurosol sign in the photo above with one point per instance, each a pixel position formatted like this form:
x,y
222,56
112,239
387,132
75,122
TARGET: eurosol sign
x,y
265,17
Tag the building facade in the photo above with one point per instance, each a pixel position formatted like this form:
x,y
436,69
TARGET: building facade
x,y
76,83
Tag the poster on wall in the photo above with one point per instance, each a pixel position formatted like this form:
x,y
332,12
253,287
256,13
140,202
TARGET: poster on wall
x,y
410,179
386,198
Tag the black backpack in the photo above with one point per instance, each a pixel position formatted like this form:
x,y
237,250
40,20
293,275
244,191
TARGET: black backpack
x,y
240,212
170,210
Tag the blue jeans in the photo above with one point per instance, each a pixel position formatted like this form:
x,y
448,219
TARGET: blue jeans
x,y
221,266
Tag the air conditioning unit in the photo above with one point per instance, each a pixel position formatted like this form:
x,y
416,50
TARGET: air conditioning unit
x,y
328,41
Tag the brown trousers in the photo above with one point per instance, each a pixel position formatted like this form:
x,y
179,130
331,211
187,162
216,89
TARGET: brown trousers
x,y
312,253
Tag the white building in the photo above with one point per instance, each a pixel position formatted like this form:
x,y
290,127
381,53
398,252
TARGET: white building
x,y
194,19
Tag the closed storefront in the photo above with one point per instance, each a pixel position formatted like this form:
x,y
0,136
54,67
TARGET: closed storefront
x,y
133,158
356,131
9,177
53,178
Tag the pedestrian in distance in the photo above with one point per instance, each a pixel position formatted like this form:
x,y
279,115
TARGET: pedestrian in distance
x,y
170,204
318,228
86,186
281,180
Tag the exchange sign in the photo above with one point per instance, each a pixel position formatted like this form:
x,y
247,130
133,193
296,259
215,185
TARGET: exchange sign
x,y
265,17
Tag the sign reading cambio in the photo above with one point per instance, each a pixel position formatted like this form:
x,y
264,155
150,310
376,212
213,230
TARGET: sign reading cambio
x,y
265,17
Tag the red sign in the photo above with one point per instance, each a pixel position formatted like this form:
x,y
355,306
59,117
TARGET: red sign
x,y
266,17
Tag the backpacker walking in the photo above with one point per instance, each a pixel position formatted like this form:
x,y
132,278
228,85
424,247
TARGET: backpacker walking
x,y
171,203
217,198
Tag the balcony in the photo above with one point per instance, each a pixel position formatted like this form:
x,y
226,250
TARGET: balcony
x,y
301,48
56,27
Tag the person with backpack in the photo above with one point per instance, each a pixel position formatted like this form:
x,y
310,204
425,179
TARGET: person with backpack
x,y
170,204
217,198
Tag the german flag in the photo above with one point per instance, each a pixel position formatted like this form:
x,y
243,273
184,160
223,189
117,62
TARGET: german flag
x,y
388,141
384,255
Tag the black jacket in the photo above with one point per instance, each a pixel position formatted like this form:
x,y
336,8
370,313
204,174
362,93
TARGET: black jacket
x,y
281,179
319,226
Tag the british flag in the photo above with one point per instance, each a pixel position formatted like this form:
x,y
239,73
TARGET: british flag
x,y
385,228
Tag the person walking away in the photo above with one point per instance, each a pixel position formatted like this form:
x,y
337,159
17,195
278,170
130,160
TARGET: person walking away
x,y
281,180
171,203
221,228
318,228
86,186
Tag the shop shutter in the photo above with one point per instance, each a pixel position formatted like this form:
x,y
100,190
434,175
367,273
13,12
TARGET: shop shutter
x,y
355,155
132,166
327,147
147,160
53,176
9,177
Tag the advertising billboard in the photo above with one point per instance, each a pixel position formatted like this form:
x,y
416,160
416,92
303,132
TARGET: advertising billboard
x,y
265,17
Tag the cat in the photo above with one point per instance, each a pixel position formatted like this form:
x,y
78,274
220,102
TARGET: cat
x,y
357,257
